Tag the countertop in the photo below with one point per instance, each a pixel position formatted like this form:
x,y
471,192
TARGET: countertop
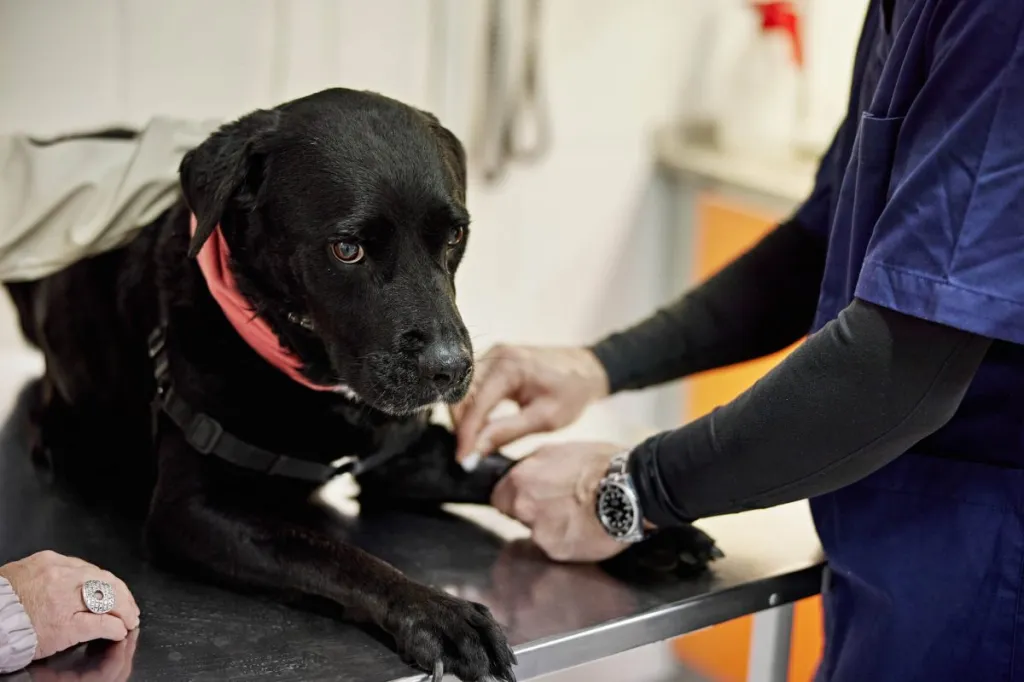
x,y
691,150
556,615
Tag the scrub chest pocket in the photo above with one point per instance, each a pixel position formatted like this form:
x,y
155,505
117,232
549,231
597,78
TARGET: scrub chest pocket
x,y
872,172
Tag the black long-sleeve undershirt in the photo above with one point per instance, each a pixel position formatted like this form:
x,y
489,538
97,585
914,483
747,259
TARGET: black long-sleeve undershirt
x,y
854,396
760,303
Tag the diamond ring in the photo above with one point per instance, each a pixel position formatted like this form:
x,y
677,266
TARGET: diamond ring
x,y
98,596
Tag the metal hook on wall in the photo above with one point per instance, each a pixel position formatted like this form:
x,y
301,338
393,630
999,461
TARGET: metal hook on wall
x,y
515,123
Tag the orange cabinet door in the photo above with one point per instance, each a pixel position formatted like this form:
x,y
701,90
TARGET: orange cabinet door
x,y
724,231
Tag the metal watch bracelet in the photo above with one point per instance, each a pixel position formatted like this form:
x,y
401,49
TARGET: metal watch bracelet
x,y
617,504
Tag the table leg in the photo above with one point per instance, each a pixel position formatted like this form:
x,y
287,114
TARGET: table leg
x,y
769,645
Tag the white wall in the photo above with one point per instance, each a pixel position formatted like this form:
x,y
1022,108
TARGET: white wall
x,y
561,251
65,64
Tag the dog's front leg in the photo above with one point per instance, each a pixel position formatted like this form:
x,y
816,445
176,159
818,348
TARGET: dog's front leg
x,y
210,520
426,473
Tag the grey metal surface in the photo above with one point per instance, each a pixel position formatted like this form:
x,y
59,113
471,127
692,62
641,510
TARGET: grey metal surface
x,y
556,615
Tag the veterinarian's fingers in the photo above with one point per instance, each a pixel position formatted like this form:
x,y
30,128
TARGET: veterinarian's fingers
x,y
457,411
504,499
537,417
498,384
483,366
503,496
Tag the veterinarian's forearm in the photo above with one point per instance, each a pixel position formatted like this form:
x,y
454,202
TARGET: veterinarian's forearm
x,y
855,396
758,304
77,197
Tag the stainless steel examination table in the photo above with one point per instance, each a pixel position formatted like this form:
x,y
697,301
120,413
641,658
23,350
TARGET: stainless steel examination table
x,y
557,616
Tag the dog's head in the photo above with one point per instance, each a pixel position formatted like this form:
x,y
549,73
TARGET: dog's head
x,y
345,215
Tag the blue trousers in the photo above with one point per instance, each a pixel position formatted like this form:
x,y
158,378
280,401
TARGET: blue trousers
x,y
926,558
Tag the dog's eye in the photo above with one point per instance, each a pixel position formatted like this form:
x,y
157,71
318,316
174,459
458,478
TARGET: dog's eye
x,y
456,235
347,252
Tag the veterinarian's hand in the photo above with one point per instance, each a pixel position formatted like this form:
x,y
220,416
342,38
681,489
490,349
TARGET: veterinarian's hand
x,y
49,586
551,385
554,492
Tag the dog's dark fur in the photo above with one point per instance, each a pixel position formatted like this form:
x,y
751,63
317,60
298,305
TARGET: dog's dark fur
x,y
283,184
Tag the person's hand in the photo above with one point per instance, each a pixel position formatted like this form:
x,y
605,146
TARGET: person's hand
x,y
554,492
551,385
49,586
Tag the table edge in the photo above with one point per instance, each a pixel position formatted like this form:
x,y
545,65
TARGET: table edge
x,y
559,652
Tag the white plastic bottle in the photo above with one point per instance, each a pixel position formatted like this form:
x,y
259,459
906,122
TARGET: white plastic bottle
x,y
761,107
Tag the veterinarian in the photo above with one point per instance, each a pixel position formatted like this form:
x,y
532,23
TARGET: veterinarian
x,y
901,417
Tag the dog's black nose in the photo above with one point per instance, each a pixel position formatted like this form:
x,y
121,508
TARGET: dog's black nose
x,y
444,364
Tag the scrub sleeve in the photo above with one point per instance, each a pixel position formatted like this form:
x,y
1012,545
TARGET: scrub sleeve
x,y
933,201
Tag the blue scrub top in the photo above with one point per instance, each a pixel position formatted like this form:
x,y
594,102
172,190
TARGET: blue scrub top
x,y
921,196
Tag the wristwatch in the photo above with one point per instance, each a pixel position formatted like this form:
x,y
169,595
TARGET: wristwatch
x,y
618,505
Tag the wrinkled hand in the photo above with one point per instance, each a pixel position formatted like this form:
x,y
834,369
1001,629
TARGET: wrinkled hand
x,y
552,386
49,586
554,492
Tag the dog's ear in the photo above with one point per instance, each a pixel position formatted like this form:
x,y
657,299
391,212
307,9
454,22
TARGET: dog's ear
x,y
454,152
227,167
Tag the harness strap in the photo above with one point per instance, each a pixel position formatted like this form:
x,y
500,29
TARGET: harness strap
x,y
206,435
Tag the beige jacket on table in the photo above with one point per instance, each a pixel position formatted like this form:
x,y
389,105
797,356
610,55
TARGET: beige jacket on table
x,y
69,200
75,198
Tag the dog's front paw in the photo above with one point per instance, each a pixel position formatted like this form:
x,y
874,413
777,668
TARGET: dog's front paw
x,y
430,626
671,553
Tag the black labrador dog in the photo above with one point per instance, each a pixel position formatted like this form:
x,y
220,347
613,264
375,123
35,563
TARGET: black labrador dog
x,y
344,214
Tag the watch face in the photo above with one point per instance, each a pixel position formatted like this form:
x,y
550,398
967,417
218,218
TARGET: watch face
x,y
615,510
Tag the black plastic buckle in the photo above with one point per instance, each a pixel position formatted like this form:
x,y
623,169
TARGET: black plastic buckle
x,y
203,433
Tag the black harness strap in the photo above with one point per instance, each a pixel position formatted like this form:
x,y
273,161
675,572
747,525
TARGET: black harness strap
x,y
206,435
